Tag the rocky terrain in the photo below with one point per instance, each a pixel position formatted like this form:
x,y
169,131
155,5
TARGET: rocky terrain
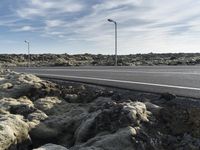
x,y
9,60
53,115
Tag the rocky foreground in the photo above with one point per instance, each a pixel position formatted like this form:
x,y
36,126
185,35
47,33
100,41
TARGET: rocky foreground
x,y
43,115
10,60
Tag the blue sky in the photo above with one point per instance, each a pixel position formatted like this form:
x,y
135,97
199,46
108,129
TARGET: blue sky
x,y
80,26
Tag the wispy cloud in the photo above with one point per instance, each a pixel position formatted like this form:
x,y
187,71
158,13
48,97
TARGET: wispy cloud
x,y
47,8
54,23
25,28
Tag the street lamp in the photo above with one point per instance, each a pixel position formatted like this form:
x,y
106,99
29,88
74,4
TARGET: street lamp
x,y
110,20
29,57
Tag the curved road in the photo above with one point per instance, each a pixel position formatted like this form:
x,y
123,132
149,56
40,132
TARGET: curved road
x,y
180,80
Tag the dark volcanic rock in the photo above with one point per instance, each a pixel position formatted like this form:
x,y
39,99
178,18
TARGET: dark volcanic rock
x,y
22,109
150,59
73,116
167,96
181,116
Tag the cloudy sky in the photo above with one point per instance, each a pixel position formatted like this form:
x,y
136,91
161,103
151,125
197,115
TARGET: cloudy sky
x,y
80,26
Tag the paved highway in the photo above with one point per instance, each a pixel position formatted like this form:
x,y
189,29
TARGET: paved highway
x,y
180,80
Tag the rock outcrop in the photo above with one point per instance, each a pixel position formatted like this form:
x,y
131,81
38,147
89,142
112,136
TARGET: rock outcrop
x,y
44,115
150,59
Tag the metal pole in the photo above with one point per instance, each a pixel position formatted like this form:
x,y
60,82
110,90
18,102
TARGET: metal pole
x,y
29,57
115,43
110,20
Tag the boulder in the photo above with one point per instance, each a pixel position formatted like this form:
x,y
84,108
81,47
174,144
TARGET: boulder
x,y
153,108
37,115
47,103
16,85
7,103
13,130
60,125
6,86
110,117
72,98
51,147
121,115
123,139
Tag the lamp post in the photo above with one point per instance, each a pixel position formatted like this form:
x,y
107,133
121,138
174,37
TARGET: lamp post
x,y
110,20
29,57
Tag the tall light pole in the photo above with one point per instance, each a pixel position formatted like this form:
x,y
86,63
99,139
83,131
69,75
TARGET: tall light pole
x,y
29,57
110,20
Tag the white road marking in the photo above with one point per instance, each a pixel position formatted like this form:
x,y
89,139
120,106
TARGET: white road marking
x,y
121,81
120,71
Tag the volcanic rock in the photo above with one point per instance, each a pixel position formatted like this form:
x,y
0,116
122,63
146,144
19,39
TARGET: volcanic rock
x,y
51,147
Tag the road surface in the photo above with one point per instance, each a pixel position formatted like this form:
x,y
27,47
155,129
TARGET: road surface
x,y
180,80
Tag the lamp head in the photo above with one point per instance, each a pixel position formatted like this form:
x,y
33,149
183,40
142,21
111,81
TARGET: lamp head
x,y
110,20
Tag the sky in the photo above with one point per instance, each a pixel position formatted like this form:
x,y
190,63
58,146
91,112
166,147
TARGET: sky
x,y
81,26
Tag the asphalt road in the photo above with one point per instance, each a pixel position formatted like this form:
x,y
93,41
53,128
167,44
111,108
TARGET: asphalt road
x,y
180,80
